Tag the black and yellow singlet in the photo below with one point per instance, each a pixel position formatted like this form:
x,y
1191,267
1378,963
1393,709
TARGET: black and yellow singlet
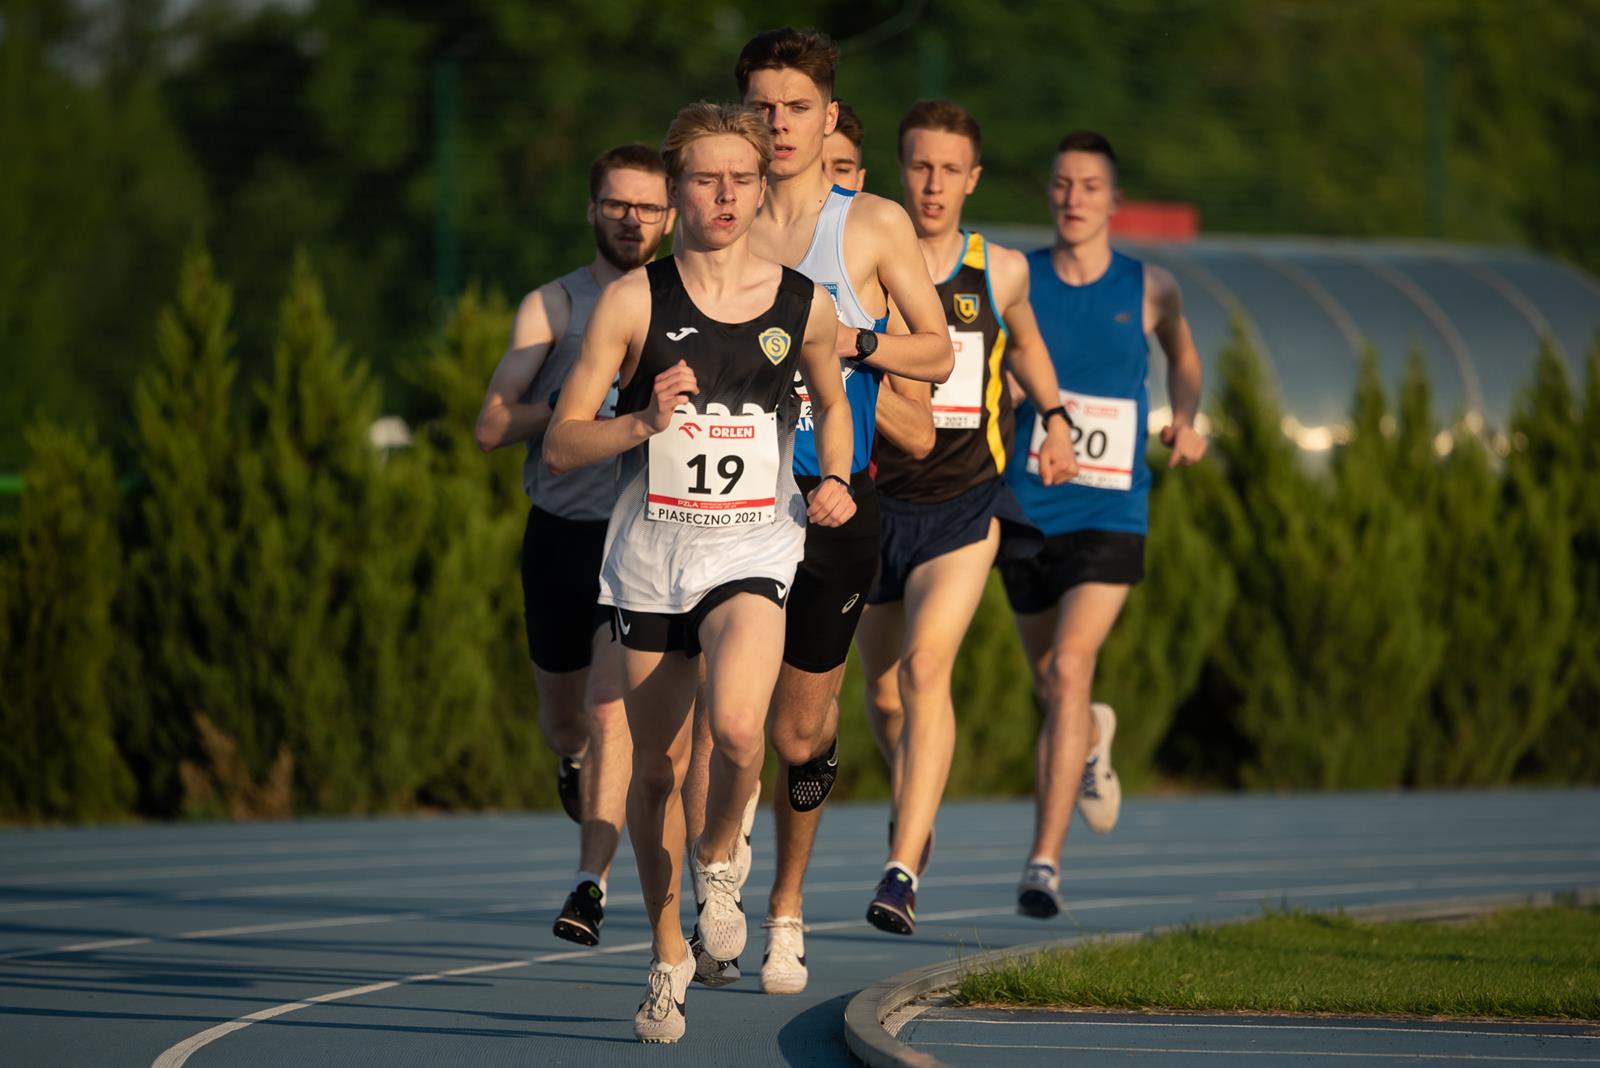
x,y
972,416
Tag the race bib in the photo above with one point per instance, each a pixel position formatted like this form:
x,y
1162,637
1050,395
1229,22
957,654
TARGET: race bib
x,y
608,408
846,369
1104,434
714,470
958,400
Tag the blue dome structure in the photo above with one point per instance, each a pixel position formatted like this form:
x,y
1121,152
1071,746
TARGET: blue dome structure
x,y
1475,314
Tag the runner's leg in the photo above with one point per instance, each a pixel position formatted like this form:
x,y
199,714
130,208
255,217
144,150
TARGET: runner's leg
x,y
698,780
941,597
878,640
609,763
1063,668
805,720
658,690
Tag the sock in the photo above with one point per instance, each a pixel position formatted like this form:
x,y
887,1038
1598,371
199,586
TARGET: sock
x,y
1038,859
591,877
909,869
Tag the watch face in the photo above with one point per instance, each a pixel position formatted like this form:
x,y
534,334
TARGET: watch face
x,y
867,342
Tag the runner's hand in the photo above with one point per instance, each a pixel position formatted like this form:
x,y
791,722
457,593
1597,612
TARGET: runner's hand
x,y
1058,462
1187,445
830,504
845,342
673,386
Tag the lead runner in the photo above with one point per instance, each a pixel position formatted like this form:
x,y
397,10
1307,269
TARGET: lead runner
x,y
709,525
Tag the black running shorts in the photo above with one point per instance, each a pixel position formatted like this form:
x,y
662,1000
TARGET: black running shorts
x,y
832,583
1036,583
915,533
561,589
679,632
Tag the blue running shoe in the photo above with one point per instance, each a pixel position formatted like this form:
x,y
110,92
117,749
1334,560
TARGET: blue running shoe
x,y
894,908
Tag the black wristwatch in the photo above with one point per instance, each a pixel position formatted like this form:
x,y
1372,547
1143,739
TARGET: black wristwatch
x,y
866,343
842,481
1062,412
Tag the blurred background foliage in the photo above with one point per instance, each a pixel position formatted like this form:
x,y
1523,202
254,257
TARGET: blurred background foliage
x,y
216,598
415,147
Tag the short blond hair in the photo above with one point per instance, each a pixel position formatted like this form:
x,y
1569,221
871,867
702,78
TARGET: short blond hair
x,y
711,120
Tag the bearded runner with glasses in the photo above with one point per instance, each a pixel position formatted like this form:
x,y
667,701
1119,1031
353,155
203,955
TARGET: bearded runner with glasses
x,y
576,666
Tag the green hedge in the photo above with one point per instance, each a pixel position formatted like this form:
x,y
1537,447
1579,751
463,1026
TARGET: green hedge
x,y
277,618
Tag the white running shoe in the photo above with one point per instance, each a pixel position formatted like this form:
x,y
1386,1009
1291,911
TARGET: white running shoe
x,y
783,969
743,854
721,908
1100,793
661,1014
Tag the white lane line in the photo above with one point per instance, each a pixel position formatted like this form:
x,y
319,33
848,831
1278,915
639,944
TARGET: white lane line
x,y
1089,1020
179,1054
1451,1057
89,855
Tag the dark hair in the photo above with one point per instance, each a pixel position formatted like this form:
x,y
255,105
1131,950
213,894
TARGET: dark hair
x,y
850,124
1089,141
941,115
624,157
811,53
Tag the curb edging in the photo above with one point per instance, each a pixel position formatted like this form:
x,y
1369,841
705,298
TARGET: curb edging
x,y
866,1014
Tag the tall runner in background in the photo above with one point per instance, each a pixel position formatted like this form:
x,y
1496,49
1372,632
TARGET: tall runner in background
x,y
944,514
577,668
709,523
841,150
862,250
1094,307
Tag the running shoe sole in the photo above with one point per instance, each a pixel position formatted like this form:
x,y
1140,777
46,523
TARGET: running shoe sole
x,y
1038,904
890,919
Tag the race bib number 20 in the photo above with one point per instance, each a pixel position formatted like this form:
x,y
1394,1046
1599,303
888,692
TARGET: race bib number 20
x,y
1104,433
714,470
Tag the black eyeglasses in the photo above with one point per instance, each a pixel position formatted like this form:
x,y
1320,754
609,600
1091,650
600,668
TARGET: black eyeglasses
x,y
646,213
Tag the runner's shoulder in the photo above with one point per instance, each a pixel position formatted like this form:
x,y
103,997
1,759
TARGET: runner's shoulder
x,y
1161,288
544,311
878,215
1008,270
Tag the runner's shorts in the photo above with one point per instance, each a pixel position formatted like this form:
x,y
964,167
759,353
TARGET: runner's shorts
x,y
832,582
561,589
679,632
915,532
1036,583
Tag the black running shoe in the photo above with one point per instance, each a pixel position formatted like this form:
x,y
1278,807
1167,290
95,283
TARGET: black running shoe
x,y
811,783
894,908
581,916
708,970
567,789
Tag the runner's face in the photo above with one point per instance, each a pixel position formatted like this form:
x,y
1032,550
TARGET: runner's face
x,y
1083,196
841,162
719,191
629,242
938,172
799,116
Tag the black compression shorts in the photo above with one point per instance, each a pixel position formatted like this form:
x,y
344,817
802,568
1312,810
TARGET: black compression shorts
x,y
832,582
1036,583
561,589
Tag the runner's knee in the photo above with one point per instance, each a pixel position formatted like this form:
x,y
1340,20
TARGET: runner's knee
x,y
1070,674
738,741
923,671
655,777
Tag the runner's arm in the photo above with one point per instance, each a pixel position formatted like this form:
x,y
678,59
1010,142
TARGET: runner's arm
x,y
1183,366
508,415
830,503
923,352
905,406
577,438
1029,361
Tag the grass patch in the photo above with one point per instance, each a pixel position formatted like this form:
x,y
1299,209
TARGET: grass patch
x,y
1529,963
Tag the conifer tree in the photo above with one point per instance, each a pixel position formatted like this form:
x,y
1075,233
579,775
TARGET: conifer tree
x,y
179,605
60,759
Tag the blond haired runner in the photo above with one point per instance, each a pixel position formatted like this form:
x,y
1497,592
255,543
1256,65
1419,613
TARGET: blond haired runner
x,y
945,513
709,523
577,666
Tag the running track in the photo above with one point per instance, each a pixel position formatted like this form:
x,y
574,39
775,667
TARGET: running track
x,y
426,941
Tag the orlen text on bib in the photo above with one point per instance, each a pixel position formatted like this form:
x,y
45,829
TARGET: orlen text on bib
x,y
714,470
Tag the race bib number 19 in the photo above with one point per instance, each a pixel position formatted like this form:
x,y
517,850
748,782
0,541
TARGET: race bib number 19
x,y
714,470
1104,433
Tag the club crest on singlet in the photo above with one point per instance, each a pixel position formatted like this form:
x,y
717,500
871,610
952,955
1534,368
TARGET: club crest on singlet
x,y
966,306
774,344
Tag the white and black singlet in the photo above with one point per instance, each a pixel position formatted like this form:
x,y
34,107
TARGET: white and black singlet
x,y
712,499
